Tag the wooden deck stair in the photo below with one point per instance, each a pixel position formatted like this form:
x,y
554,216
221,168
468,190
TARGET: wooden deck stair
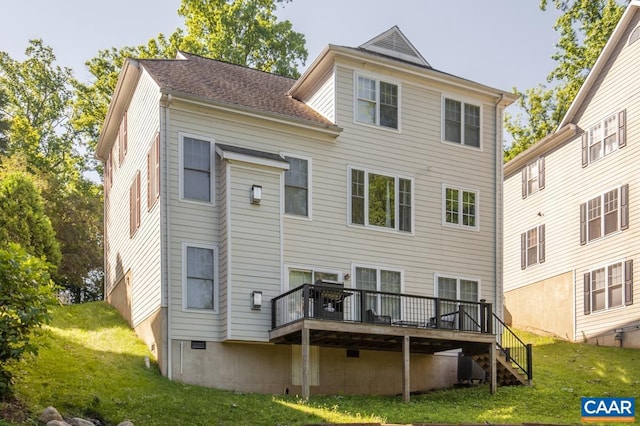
x,y
507,373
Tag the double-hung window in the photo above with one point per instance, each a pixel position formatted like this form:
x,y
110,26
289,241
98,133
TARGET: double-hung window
x,y
377,102
603,138
297,185
532,247
460,207
461,122
380,280
458,290
604,214
300,276
381,200
533,177
197,169
608,287
199,269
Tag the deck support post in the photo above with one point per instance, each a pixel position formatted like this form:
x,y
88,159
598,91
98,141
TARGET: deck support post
x,y
493,386
305,363
406,369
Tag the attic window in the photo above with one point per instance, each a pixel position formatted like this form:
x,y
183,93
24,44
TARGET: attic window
x,y
635,35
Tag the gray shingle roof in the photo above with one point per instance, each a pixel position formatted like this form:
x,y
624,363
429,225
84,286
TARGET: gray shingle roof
x,y
230,84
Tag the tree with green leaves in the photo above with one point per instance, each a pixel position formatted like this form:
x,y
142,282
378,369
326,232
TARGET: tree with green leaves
x,y
243,32
584,27
25,293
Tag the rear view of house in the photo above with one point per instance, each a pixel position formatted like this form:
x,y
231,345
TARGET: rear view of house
x,y
338,233
572,206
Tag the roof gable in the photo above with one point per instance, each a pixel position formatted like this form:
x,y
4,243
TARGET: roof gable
x,y
393,43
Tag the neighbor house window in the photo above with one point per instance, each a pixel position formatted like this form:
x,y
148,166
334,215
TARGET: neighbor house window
x,y
153,172
134,205
604,214
199,276
460,207
609,286
197,167
533,177
297,187
377,102
380,280
381,200
461,122
532,248
603,138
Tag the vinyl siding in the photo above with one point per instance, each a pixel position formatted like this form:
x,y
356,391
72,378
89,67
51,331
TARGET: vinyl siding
x,y
322,99
568,185
122,251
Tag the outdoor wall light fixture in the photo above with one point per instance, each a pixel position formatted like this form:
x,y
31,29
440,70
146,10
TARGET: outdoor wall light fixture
x,y
256,194
256,300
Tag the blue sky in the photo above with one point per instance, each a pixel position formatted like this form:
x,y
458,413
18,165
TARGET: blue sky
x,y
500,43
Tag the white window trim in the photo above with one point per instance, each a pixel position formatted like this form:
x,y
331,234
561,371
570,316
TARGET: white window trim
x,y
378,268
377,78
309,216
216,284
606,289
457,277
602,124
526,248
366,225
444,208
181,136
297,267
602,213
464,101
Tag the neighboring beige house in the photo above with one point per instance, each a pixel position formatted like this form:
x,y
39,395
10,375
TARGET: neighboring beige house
x,y
374,179
572,209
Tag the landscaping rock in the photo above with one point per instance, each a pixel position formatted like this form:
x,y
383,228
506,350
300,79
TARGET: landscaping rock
x,y
57,423
49,414
77,421
125,423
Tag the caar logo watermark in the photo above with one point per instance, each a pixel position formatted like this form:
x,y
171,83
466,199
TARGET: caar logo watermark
x,y
608,410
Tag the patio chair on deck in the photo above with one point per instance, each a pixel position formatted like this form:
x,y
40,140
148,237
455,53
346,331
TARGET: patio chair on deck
x,y
374,318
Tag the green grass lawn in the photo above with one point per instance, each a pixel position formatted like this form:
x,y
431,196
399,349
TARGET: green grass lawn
x,y
92,365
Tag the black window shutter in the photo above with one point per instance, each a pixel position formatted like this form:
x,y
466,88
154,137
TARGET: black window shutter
x,y
524,182
622,134
624,207
583,224
587,293
541,244
585,149
541,173
523,250
628,282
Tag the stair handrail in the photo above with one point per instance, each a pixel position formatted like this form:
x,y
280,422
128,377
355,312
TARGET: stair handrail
x,y
515,350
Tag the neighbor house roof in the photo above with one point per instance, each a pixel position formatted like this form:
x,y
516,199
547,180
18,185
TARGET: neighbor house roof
x,y
233,85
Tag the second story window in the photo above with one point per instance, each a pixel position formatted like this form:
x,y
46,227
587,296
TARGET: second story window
x,y
603,138
296,187
381,200
197,167
461,123
604,214
533,177
377,102
460,207
532,247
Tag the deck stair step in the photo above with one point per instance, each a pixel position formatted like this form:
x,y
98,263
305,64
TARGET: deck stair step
x,y
507,373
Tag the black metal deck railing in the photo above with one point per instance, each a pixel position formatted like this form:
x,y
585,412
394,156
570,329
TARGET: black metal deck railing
x,y
513,348
333,302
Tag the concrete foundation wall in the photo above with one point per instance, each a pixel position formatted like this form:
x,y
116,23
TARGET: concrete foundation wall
x,y
545,306
625,336
151,332
265,368
120,297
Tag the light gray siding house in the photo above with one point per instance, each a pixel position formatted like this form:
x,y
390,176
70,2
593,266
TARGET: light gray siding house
x,y
572,206
338,233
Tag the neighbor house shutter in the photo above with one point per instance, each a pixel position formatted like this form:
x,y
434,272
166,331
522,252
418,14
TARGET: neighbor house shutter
x,y
587,293
132,200
628,282
585,149
583,224
524,182
150,171
624,207
523,250
541,173
622,134
541,244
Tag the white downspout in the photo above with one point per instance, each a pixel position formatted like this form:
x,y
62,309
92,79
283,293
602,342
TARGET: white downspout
x,y
498,206
167,220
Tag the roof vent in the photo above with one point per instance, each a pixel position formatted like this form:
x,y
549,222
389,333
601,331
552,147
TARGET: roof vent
x,y
393,43
635,35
